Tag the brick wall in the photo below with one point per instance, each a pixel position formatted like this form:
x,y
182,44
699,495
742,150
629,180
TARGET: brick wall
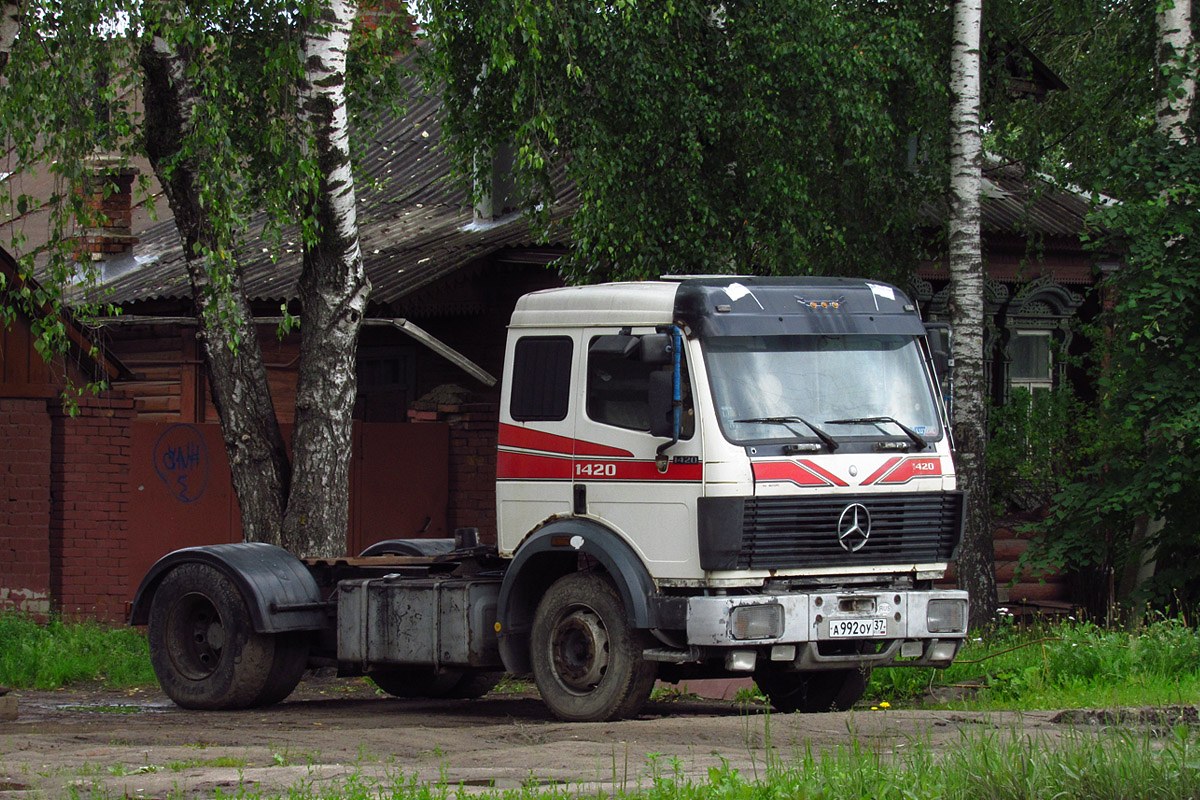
x,y
472,479
24,506
89,524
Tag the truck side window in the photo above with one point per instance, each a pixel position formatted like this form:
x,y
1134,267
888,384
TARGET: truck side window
x,y
541,379
618,393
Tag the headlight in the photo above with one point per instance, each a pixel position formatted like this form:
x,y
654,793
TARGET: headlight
x,y
946,616
944,651
756,622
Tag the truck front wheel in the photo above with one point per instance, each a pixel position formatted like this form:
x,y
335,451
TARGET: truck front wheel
x,y
813,692
587,660
204,650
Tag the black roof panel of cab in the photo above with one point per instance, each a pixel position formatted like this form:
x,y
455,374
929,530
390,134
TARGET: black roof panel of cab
x,y
749,306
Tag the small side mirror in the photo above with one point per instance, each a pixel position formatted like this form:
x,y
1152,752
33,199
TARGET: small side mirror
x,y
662,405
940,337
656,348
614,346
938,334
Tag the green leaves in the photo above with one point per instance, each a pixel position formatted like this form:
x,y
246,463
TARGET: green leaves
x,y
1146,456
745,136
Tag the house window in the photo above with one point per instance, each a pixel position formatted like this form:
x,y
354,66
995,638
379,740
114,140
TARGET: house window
x,y
1031,361
541,382
386,379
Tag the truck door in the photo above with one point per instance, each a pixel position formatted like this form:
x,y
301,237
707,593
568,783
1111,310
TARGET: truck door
x,y
615,473
534,465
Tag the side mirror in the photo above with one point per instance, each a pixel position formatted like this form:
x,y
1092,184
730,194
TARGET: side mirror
x,y
662,406
614,346
940,337
656,348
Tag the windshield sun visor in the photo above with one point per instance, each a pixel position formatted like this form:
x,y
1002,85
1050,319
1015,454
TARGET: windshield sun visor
x,y
747,306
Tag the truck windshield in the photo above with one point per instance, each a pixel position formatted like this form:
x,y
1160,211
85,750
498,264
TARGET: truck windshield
x,y
858,382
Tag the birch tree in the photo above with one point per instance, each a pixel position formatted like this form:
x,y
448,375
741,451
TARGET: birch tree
x,y
1146,464
976,559
179,151
1176,68
302,505
10,24
333,296
246,111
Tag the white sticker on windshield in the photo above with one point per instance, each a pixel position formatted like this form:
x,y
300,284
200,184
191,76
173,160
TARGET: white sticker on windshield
x,y
883,291
737,291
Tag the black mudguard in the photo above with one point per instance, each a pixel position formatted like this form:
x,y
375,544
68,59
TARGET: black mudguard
x,y
280,593
548,554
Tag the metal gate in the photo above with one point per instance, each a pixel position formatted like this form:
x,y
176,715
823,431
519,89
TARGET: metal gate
x,y
182,495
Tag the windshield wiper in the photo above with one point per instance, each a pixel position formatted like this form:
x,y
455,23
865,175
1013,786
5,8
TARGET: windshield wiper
x,y
829,441
917,438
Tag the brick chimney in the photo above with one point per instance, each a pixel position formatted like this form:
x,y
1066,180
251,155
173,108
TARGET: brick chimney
x,y
109,197
372,12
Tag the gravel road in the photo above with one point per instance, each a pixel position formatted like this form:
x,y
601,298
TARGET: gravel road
x,y
137,744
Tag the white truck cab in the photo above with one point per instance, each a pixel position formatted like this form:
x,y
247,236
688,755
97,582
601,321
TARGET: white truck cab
x,y
790,523
697,478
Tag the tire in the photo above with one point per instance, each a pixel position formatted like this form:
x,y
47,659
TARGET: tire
x,y
204,650
474,685
287,667
587,661
417,681
813,692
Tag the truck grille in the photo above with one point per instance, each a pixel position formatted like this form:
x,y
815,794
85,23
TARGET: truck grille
x,y
791,532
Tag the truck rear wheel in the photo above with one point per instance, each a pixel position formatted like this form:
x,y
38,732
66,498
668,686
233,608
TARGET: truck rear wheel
x,y
587,660
813,692
204,650
287,667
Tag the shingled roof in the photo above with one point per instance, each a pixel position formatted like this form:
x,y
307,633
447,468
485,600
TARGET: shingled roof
x,y
417,224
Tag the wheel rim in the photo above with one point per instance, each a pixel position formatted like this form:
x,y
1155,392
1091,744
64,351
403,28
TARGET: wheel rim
x,y
195,636
579,650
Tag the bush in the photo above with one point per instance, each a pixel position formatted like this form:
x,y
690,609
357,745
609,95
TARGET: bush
x,y
1036,444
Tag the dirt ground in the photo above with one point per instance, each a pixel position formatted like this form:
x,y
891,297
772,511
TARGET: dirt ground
x,y
137,744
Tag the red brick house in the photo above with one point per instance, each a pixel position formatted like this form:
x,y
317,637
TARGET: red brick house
x,y
423,423
63,491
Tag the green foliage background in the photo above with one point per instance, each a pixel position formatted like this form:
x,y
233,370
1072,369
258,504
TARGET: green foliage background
x,y
1147,464
746,136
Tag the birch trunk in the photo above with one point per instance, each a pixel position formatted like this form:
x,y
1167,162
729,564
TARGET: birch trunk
x,y
10,26
976,556
333,296
1173,106
237,374
1174,29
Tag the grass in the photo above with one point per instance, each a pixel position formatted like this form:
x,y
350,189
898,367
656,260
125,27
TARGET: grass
x,y
1063,664
57,654
998,765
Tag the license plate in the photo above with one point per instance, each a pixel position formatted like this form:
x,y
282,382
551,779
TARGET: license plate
x,y
857,628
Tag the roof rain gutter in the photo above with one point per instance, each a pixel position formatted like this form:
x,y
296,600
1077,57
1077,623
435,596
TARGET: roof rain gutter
x,y
438,346
399,323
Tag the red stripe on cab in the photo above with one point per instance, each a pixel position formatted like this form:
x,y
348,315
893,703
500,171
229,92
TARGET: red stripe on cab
x,y
522,466
786,471
530,439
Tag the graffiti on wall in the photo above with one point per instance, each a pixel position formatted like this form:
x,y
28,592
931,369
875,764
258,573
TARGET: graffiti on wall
x,y
182,462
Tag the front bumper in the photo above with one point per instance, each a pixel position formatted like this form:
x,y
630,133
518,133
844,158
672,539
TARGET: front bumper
x,y
814,631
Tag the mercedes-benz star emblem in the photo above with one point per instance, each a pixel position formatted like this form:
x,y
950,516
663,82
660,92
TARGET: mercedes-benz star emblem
x,y
854,527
